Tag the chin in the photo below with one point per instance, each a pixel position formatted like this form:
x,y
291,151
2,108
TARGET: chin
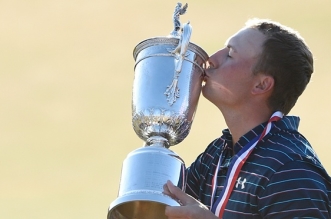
x,y
209,94
203,87
204,91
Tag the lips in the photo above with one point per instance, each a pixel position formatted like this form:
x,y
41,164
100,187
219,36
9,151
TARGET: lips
x,y
208,67
205,75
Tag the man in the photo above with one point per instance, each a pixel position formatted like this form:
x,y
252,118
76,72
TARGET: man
x,y
261,167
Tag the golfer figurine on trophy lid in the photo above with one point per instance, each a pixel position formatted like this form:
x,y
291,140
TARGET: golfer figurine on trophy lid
x,y
166,88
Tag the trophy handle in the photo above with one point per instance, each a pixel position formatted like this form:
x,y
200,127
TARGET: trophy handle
x,y
180,53
180,50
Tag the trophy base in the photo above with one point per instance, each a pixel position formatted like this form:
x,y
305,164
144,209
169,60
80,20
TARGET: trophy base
x,y
144,173
140,206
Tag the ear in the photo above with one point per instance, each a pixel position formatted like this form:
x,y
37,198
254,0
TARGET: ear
x,y
264,84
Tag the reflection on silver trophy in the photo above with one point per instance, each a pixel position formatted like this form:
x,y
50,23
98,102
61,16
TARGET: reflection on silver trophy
x,y
166,89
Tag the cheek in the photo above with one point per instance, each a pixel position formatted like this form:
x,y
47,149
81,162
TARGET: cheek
x,y
215,89
217,82
237,73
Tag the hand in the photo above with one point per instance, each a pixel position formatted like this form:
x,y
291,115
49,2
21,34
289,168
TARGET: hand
x,y
190,209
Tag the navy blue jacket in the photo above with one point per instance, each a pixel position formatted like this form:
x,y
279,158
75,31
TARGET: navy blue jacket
x,y
282,178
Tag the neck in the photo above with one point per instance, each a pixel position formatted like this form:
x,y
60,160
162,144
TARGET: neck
x,y
242,121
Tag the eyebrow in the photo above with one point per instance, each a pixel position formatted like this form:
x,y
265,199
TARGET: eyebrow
x,y
231,47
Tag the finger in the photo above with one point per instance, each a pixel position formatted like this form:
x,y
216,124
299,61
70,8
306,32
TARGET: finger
x,y
178,194
176,212
167,191
189,211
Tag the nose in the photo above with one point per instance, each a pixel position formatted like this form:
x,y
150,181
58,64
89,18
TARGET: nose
x,y
215,60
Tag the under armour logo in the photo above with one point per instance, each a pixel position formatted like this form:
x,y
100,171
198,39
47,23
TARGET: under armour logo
x,y
242,183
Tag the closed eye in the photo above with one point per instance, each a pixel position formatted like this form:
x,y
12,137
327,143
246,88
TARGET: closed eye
x,y
230,51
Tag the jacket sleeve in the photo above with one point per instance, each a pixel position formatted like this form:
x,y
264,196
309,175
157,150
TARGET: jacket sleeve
x,y
299,189
193,178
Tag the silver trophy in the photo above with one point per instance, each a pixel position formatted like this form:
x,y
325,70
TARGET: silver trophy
x,y
166,89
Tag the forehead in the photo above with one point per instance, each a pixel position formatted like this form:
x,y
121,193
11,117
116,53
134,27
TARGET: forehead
x,y
247,41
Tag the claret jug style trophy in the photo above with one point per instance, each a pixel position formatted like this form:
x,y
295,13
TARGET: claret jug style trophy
x,y
167,84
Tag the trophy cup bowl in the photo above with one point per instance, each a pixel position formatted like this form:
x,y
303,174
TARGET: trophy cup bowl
x,y
166,89
154,113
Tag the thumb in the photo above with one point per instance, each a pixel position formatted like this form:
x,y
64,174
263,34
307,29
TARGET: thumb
x,y
178,194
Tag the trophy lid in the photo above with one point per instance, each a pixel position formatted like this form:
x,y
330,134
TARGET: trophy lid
x,y
179,36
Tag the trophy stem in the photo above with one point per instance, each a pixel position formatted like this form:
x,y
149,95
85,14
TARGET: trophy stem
x,y
157,141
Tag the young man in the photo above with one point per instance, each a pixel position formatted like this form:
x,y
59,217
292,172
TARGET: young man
x,y
261,167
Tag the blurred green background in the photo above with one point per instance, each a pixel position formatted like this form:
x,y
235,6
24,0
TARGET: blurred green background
x,y
66,73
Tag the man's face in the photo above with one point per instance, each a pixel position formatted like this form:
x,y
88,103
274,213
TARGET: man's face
x,y
229,80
